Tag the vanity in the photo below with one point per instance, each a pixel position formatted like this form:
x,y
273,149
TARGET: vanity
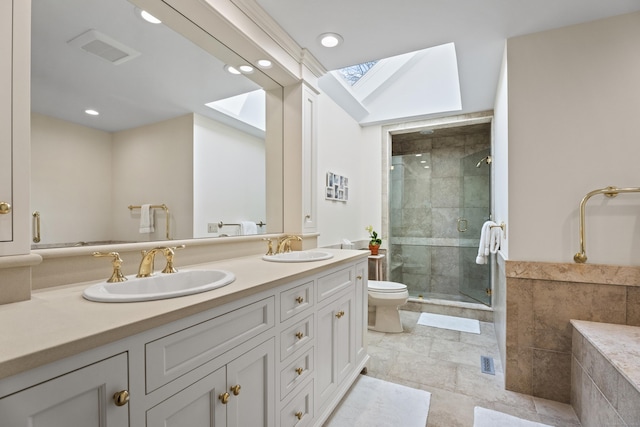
x,y
280,346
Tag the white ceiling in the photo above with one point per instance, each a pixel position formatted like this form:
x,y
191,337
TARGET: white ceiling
x,y
170,78
376,29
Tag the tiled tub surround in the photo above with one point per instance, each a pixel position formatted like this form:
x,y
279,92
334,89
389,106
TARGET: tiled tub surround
x,y
541,299
605,374
433,183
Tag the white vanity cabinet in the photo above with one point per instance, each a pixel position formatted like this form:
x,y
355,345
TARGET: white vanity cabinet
x,y
282,356
83,397
235,395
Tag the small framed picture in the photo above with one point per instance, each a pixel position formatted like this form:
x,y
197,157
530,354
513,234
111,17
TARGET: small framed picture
x,y
337,187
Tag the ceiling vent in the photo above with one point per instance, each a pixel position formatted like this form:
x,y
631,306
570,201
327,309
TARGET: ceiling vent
x,y
103,46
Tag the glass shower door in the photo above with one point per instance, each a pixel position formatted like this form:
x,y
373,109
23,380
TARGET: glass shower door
x,y
475,209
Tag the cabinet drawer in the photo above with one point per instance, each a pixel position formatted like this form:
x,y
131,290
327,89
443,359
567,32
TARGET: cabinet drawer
x,y
335,282
295,373
296,337
296,300
298,412
174,355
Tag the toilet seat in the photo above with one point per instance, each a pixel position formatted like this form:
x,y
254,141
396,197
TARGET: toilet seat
x,y
384,287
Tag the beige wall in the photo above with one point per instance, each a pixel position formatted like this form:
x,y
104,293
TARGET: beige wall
x,y
574,97
154,164
70,179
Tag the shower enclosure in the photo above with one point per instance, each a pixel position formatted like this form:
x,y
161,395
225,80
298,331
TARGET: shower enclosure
x,y
439,197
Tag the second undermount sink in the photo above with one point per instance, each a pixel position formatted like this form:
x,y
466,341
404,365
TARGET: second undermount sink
x,y
159,286
298,256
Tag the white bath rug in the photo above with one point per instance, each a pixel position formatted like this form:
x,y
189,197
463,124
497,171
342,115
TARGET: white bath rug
x,y
449,322
376,403
483,417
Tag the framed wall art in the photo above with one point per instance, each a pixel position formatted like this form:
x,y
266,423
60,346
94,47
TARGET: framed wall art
x,y
337,187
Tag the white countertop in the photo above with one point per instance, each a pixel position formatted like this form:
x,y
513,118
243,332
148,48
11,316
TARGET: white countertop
x,y
58,322
619,344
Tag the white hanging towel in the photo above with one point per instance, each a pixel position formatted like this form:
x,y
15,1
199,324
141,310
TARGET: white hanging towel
x,y
248,227
485,241
146,219
495,239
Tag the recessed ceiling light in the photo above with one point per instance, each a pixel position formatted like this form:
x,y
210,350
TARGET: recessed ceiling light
x,y
426,167
146,16
423,161
246,69
264,63
91,112
330,39
232,70
418,155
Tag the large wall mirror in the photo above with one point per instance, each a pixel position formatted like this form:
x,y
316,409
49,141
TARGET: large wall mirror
x,y
175,129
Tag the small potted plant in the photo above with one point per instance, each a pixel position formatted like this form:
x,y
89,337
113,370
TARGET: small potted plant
x,y
374,240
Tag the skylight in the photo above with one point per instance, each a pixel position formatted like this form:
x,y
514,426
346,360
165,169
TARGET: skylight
x,y
354,73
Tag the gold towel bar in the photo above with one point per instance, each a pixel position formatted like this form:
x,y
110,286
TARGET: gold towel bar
x,y
581,257
164,208
503,226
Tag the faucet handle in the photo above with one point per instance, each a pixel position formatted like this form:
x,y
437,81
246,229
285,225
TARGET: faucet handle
x,y
116,275
270,245
169,253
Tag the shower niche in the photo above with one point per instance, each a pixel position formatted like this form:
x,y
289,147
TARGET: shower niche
x,y
439,197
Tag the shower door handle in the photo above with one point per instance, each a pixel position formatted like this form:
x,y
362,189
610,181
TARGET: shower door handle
x,y
462,225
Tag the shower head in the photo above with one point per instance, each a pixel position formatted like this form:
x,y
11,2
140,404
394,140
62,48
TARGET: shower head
x,y
487,160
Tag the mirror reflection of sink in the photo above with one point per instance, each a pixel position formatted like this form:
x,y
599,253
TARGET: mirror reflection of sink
x,y
298,256
159,286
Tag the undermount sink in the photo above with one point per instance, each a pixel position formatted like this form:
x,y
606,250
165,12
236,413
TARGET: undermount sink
x,y
159,286
298,256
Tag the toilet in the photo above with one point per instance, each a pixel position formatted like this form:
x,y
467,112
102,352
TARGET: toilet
x,y
384,300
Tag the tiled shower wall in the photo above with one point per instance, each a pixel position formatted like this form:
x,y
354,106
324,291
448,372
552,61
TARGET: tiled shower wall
x,y
435,181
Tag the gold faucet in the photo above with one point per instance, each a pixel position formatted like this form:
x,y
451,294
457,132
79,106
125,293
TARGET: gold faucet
x,y
148,258
116,275
284,244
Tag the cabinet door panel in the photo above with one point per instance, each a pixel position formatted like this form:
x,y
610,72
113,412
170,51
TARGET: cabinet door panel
x,y
345,331
198,405
80,398
254,372
326,376
6,61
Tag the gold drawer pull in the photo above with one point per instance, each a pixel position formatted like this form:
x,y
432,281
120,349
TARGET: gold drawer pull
x,y
299,335
236,389
5,208
299,300
340,314
121,398
299,371
224,398
298,415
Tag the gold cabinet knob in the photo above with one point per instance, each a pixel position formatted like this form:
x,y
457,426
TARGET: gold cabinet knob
x,y
121,398
299,335
299,300
298,415
5,208
340,314
224,398
359,277
299,371
236,389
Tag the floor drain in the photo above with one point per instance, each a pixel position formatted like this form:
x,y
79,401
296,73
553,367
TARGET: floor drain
x,y
486,365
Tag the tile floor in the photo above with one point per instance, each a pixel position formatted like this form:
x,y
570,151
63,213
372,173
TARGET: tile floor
x,y
447,364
